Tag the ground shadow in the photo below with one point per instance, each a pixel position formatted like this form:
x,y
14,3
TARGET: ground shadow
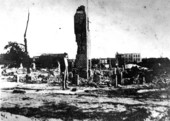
x,y
69,112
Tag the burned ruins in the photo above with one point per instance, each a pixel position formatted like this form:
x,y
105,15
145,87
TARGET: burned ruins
x,y
52,86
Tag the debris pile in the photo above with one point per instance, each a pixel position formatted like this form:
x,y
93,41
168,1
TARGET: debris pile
x,y
128,75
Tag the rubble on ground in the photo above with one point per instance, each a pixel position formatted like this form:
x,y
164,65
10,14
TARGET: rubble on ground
x,y
98,96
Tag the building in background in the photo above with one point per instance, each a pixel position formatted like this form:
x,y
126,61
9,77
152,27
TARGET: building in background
x,y
4,61
103,63
126,58
51,61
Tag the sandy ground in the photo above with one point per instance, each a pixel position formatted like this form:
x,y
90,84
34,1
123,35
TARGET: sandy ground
x,y
42,102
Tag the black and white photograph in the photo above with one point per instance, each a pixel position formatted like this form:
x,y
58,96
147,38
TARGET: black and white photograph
x,y
84,60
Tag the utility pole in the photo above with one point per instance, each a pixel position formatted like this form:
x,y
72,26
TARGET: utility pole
x,y
25,39
26,48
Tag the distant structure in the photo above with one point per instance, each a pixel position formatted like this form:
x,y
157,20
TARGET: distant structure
x,y
125,58
49,60
81,33
106,62
103,63
3,60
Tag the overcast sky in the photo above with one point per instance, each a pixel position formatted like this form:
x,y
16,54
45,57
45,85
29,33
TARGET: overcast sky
x,y
125,26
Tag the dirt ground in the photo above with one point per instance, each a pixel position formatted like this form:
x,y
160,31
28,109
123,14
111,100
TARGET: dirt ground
x,y
43,102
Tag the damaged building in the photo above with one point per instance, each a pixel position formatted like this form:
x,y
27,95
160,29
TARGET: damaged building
x,y
81,35
126,58
51,60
